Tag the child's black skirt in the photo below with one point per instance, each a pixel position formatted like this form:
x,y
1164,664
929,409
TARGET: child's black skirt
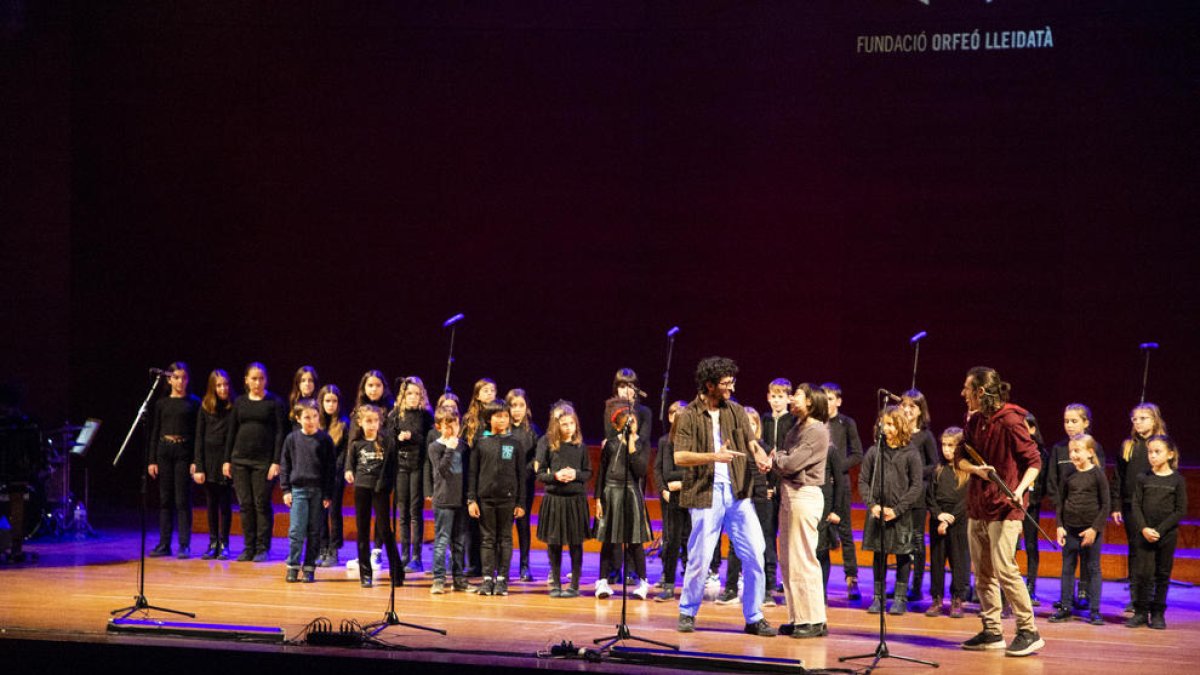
x,y
563,520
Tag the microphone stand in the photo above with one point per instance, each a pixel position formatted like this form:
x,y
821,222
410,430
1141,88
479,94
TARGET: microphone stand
x,y
916,343
662,405
389,615
1146,347
140,603
452,324
879,564
623,632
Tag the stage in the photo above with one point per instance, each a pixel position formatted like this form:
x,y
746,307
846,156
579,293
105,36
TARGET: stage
x,y
55,613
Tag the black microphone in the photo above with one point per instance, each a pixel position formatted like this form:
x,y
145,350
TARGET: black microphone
x,y
452,320
918,337
673,332
1148,345
159,372
891,397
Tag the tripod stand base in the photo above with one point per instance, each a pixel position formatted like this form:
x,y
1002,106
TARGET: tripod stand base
x,y
624,634
140,604
881,652
390,619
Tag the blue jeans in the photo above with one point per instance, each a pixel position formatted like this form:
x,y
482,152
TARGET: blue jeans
x,y
449,529
745,536
305,523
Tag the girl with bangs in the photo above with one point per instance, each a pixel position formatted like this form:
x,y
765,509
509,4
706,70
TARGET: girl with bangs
x,y
1077,420
916,409
483,393
334,423
527,433
1133,461
889,528
564,468
304,385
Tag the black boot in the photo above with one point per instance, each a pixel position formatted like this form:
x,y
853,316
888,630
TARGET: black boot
x,y
900,601
555,581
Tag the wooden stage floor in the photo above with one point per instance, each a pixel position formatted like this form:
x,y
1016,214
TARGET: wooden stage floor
x,y
67,595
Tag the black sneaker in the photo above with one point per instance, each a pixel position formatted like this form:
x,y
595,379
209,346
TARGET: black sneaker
x,y
1025,643
293,575
687,624
1137,621
667,595
261,556
570,592
246,556
812,630
727,597
760,628
1060,616
213,550
159,552
461,585
984,640
488,587
852,592
501,586
1158,621
1096,620
787,628
185,552
526,576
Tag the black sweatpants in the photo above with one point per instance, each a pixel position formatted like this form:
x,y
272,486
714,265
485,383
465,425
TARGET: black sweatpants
x,y
410,502
1153,571
951,547
174,491
254,503
496,528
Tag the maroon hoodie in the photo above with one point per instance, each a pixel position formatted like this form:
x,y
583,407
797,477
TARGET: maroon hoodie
x,y
1003,441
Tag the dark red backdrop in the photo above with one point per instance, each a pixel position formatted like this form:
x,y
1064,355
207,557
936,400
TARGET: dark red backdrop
x,y
325,183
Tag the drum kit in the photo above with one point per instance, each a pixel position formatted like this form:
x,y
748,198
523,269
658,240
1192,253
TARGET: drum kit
x,y
37,498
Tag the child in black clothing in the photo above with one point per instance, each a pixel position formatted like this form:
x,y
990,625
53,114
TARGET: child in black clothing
x,y
1077,419
1159,503
370,468
843,436
407,425
495,495
916,409
212,424
889,527
1082,511
524,429
334,423
257,426
306,478
620,505
947,504
171,449
448,456
676,520
565,469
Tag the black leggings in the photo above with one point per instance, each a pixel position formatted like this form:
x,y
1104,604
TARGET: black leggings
x,y
610,554
523,530
220,510
410,501
366,499
677,527
555,553
254,504
331,527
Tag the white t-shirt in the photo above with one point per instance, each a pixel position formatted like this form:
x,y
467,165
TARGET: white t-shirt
x,y
720,469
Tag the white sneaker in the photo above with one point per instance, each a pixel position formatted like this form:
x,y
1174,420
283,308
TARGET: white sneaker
x,y
376,558
602,588
352,568
642,590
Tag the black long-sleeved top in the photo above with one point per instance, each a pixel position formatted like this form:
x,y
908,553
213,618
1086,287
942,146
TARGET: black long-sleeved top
x,y
173,417
902,484
497,470
641,412
837,481
528,433
1083,501
945,495
929,452
410,453
373,463
1159,502
843,434
449,474
1057,466
308,461
573,455
256,431
211,432
1128,470
775,429
665,470
612,464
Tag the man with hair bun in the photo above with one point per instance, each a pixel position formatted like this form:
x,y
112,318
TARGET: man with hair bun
x,y
996,430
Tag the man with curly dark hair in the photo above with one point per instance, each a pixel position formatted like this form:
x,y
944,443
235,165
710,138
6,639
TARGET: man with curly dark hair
x,y
714,445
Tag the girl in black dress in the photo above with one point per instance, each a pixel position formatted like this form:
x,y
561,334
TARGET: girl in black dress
x,y
888,528
564,468
621,506
212,428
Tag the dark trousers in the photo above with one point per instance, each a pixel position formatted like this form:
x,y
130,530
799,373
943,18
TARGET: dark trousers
x,y
1029,535
220,511
610,555
845,533
904,563
554,551
951,547
677,527
449,531
919,517
523,541
174,492
1088,557
496,528
1131,536
331,526
366,500
1153,572
474,547
410,501
254,503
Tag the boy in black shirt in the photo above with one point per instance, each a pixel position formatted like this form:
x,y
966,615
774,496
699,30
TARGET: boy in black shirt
x,y
495,493
843,435
306,477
